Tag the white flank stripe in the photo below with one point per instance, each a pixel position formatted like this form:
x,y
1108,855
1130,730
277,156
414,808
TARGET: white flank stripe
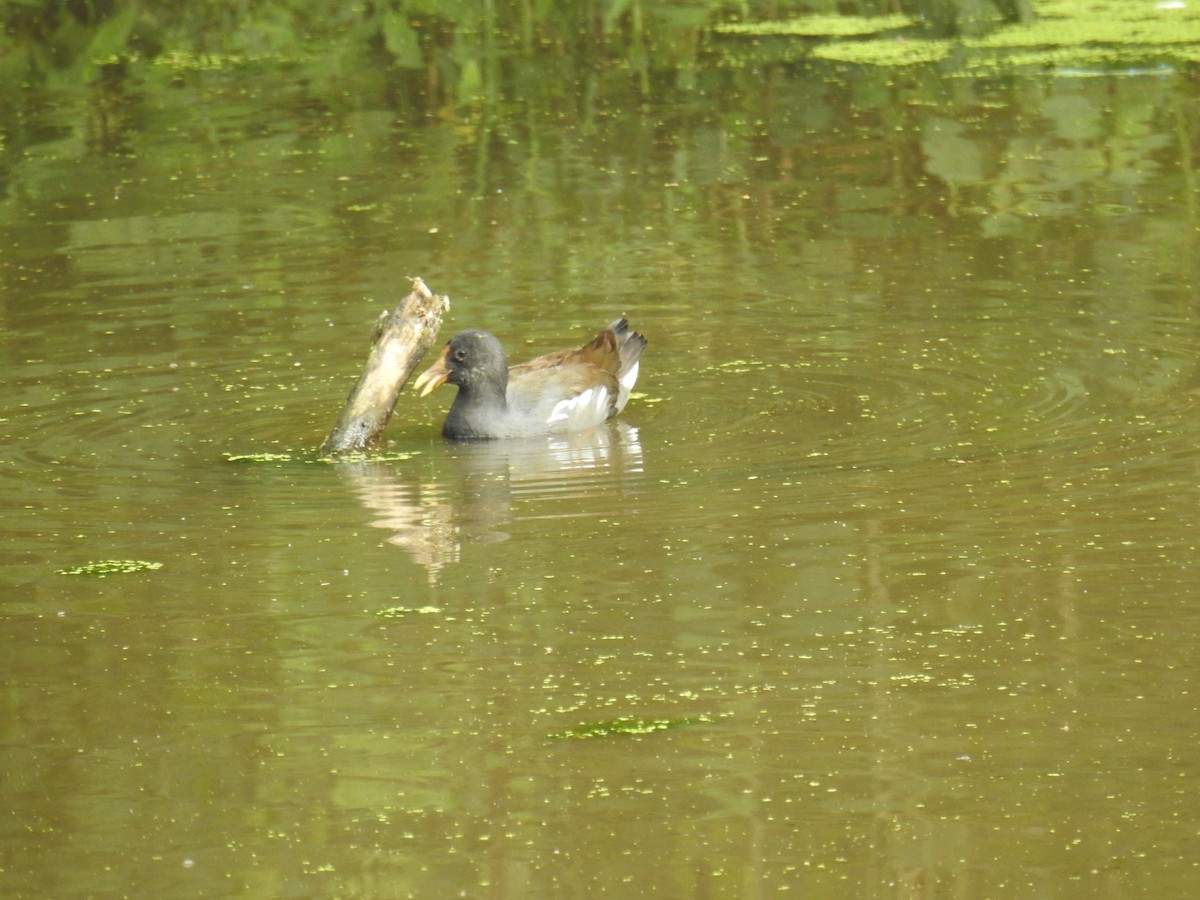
x,y
626,385
587,408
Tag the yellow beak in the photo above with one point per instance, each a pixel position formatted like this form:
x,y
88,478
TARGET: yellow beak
x,y
433,377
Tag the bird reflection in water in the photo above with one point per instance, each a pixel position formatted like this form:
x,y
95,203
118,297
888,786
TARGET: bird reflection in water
x,y
463,493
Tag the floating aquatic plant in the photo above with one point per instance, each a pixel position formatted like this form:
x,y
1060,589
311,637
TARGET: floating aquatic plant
x,y
380,456
105,567
818,26
885,53
1075,61
399,612
628,725
259,457
1083,22
1065,34
184,60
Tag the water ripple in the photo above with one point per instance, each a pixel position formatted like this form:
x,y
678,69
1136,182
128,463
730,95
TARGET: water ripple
x,y
478,493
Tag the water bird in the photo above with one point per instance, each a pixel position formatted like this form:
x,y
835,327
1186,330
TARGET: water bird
x,y
568,390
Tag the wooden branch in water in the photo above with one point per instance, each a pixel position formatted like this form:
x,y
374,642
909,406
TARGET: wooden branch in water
x,y
401,338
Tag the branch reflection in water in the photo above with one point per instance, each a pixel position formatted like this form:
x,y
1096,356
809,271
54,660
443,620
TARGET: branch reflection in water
x,y
470,492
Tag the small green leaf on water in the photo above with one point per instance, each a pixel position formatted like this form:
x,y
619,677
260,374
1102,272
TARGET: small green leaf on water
x,y
628,725
105,567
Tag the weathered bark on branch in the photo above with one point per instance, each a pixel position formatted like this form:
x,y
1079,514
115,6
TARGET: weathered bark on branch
x,y
401,338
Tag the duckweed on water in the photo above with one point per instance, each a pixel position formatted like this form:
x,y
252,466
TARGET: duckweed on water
x,y
308,457
181,60
1076,23
259,457
885,53
1066,35
818,26
400,612
1076,61
628,725
1100,34
104,567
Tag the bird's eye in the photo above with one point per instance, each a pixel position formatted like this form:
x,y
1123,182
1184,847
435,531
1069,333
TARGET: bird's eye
x,y
460,355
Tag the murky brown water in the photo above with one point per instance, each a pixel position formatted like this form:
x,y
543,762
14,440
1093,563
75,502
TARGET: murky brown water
x,y
898,537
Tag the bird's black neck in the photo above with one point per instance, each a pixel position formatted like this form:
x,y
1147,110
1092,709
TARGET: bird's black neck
x,y
477,409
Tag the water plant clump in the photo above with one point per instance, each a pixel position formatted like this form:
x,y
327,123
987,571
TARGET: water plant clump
x,y
1062,34
627,725
818,26
104,567
885,53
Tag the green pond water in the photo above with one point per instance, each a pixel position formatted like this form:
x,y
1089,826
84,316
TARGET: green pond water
x,y
883,586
